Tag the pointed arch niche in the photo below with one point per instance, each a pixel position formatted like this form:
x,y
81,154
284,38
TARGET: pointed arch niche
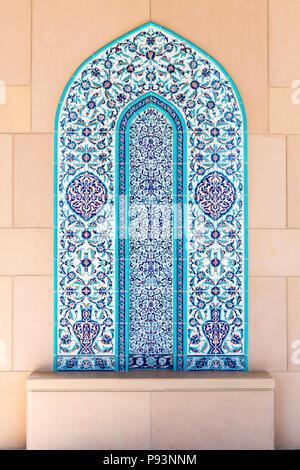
x,y
150,211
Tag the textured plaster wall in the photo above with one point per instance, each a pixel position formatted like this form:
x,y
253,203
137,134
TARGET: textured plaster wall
x,y
42,42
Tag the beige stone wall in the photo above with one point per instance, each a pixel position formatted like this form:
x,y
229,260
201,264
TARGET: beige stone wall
x,y
42,42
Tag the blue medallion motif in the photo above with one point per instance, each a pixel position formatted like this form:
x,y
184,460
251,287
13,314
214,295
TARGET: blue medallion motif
x,y
86,195
215,195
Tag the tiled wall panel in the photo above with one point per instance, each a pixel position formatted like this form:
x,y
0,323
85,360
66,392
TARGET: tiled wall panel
x,y
153,68
257,42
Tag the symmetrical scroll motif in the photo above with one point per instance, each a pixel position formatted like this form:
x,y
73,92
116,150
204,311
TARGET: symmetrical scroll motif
x,y
151,63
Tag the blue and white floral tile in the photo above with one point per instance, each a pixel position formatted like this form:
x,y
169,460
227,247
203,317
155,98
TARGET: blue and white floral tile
x,y
150,220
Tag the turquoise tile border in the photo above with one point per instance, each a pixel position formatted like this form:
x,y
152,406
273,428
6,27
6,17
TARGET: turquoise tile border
x,y
143,27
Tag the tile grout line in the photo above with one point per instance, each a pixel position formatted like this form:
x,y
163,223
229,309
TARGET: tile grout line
x,y
287,322
252,228
12,322
35,275
268,61
249,133
29,371
281,87
286,184
250,275
150,417
18,227
31,13
31,41
275,275
30,133
12,182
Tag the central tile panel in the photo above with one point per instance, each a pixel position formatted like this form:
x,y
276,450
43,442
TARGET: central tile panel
x,y
150,241
116,301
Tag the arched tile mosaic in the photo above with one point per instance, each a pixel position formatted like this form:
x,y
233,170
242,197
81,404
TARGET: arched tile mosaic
x,y
150,211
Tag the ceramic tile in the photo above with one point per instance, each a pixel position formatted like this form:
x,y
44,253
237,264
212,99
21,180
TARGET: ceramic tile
x,y
178,264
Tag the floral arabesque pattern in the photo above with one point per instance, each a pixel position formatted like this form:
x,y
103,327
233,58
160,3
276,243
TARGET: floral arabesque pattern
x,y
150,61
150,238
